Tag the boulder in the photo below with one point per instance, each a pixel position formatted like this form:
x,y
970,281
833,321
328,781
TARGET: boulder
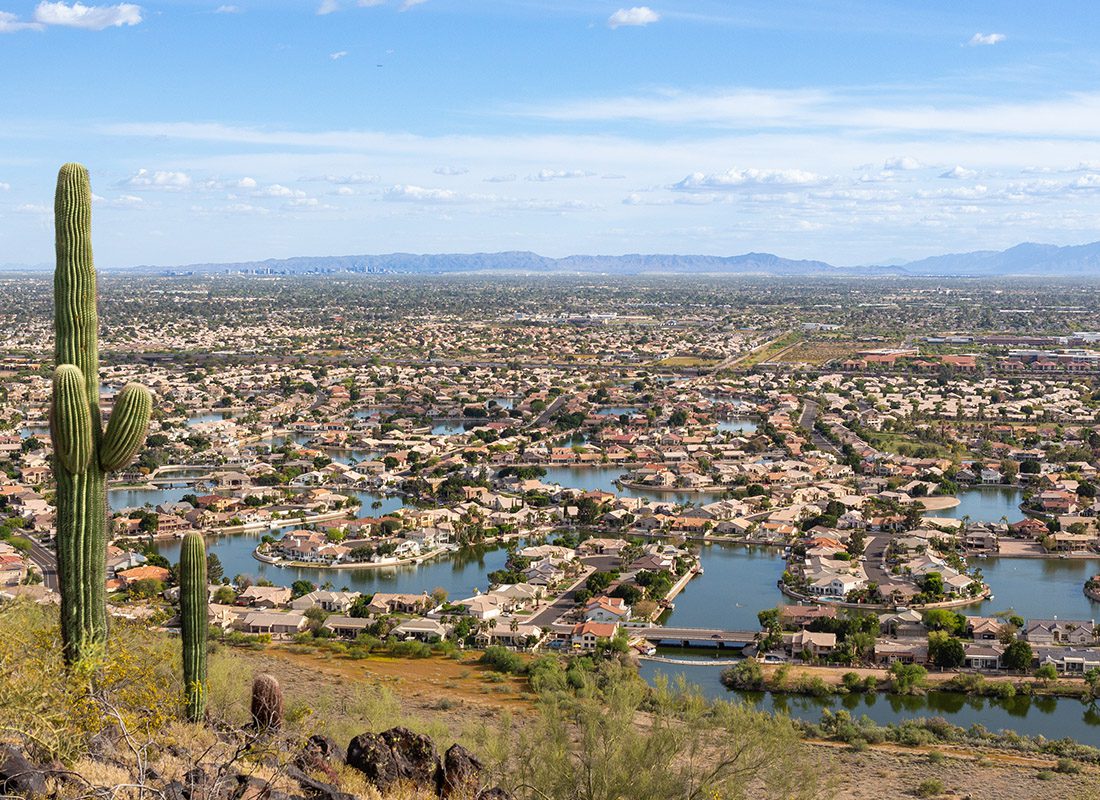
x,y
461,773
394,757
318,756
18,776
315,789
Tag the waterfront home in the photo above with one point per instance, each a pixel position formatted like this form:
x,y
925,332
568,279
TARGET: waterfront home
x,y
982,655
264,597
1055,631
421,629
585,635
801,616
129,577
607,609
888,652
509,632
273,623
544,573
984,628
484,606
348,627
333,602
396,603
519,595
815,643
1068,659
903,624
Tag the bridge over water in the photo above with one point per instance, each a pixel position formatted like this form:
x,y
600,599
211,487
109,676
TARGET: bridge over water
x,y
696,637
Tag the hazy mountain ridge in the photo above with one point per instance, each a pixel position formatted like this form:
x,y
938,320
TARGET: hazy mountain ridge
x,y
1027,259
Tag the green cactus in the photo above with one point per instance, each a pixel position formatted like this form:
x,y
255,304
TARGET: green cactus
x,y
83,452
193,622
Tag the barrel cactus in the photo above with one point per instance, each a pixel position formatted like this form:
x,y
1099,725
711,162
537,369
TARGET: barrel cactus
x,y
83,451
193,622
267,703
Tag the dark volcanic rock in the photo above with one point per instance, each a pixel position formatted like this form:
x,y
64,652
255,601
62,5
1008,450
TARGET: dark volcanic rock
x,y
461,773
393,757
315,789
18,776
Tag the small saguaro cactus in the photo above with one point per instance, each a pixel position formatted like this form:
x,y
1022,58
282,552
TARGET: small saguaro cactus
x,y
83,451
194,595
267,703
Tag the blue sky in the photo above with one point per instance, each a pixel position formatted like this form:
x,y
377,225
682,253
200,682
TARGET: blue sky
x,y
850,131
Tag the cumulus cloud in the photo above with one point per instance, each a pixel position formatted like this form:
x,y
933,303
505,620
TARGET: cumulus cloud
x,y
5,187
338,55
160,179
558,174
959,173
328,7
902,163
737,178
407,193
33,208
501,178
979,39
450,170
278,190
371,3
342,180
633,17
227,10
9,23
246,183
92,18
407,4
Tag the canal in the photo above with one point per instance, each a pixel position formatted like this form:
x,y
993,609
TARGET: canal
x,y
1051,717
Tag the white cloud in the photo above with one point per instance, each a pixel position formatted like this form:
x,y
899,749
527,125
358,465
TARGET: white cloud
x,y
371,3
902,163
278,190
343,191
557,174
959,173
342,180
246,183
501,178
636,16
160,179
407,4
227,10
92,18
33,208
5,187
979,39
450,171
737,178
338,55
404,192
9,23
328,7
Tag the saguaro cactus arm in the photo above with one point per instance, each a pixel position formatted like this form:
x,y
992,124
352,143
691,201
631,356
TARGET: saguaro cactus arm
x,y
126,429
71,419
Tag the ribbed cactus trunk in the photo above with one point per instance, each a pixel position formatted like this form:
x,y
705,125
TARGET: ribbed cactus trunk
x,y
83,451
193,622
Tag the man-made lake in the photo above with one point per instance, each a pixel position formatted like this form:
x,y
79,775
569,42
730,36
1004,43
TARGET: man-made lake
x,y
1038,588
616,411
739,426
987,504
737,582
449,427
1051,717
459,573
209,416
603,479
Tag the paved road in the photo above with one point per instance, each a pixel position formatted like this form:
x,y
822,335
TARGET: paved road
x,y
873,556
564,603
810,412
46,561
551,409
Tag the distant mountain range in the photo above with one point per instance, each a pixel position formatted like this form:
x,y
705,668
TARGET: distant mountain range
x,y
1043,260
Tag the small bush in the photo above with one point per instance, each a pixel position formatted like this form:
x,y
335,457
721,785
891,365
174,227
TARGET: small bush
x,y
929,787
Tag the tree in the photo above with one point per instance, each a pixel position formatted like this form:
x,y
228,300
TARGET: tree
x,y
1017,656
300,588
945,651
1047,672
224,595
214,570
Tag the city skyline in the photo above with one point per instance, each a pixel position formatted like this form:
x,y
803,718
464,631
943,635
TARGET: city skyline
x,y
851,133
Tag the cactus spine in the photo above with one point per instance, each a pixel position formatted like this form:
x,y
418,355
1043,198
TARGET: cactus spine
x,y
267,703
193,622
83,452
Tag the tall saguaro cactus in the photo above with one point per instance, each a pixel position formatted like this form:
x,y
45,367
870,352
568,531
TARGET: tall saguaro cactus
x,y
194,600
83,452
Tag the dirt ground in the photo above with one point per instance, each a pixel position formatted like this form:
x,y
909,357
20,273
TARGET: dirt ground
x,y
459,695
